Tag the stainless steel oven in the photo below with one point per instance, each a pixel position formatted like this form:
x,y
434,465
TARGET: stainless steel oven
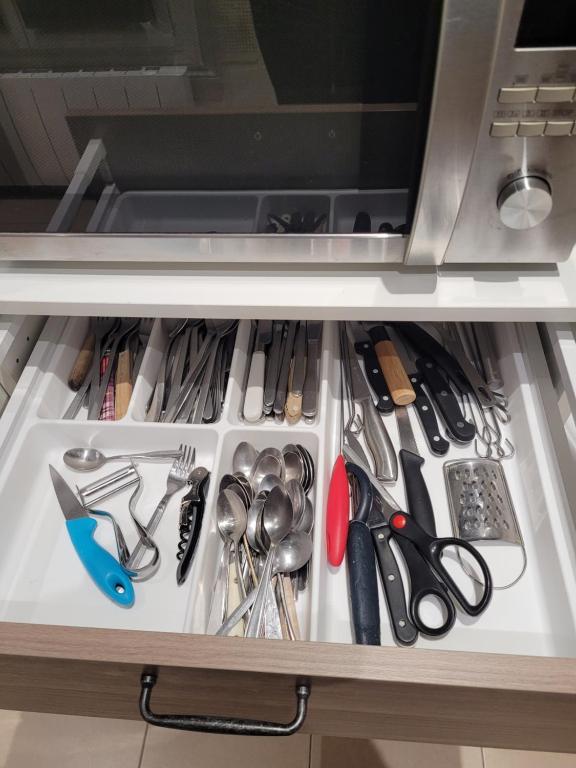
x,y
290,131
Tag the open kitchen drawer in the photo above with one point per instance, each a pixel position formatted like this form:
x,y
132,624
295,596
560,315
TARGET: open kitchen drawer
x,y
505,679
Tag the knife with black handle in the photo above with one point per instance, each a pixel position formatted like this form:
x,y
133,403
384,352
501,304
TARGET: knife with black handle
x,y
461,430
364,346
427,415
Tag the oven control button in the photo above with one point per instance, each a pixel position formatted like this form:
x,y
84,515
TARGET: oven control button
x,y
531,128
516,95
555,93
525,202
503,130
558,128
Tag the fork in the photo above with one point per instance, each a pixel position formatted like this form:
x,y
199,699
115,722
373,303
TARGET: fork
x,y
125,326
177,479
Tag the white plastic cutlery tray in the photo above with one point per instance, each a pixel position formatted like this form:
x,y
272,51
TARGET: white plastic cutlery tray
x,y
42,580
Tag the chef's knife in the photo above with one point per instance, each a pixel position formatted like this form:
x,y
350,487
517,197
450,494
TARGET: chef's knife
x,y
424,408
364,346
377,438
104,570
391,366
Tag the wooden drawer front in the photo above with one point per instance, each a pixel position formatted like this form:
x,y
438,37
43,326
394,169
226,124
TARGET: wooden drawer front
x,y
520,694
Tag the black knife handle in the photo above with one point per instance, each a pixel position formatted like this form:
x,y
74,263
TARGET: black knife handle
x,y
460,429
404,630
375,377
437,444
417,496
363,584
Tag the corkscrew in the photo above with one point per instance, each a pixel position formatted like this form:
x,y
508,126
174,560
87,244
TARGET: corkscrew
x,y
191,515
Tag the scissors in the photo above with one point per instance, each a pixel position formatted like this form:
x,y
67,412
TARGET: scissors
x,y
377,521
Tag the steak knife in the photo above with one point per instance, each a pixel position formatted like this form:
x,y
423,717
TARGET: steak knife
x,y
104,570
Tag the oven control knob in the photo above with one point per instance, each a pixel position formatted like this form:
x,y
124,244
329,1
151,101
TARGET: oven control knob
x,y
525,202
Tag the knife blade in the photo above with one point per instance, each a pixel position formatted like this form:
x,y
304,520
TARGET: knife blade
x,y
375,433
254,397
293,406
364,346
310,388
273,366
104,570
282,386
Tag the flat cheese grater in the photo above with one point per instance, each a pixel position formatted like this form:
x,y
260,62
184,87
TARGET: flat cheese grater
x,y
481,507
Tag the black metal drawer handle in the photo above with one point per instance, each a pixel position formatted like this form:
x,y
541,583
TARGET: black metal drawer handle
x,y
211,724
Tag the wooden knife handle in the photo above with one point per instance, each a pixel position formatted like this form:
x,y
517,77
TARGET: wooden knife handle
x,y
82,364
394,373
123,383
293,408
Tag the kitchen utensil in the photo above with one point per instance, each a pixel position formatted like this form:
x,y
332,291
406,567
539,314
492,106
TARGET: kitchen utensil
x,y
123,381
101,327
298,499
422,554
231,520
391,366
417,496
364,346
106,572
362,223
375,433
273,366
282,385
310,389
254,399
126,326
82,364
244,458
177,479
481,506
423,405
487,346
90,459
291,554
173,327
432,364
293,407
337,513
216,331
277,519
270,461
109,485
192,507
306,521
294,465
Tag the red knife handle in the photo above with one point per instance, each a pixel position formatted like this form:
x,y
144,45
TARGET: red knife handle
x,y
337,513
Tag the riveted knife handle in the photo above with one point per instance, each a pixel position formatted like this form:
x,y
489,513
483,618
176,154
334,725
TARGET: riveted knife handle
x,y
392,368
404,630
427,415
460,429
375,376
417,496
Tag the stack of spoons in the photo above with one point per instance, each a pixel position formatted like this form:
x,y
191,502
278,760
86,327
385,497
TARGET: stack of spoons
x,y
265,518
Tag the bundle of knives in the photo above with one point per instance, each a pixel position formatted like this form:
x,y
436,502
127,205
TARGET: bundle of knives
x,y
385,368
106,367
282,378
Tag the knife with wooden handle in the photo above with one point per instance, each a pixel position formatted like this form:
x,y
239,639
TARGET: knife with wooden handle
x,y
398,382
293,407
123,390
82,364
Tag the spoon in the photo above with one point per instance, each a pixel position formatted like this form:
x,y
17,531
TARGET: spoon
x,y
276,520
244,458
293,552
89,459
231,520
306,521
298,498
268,482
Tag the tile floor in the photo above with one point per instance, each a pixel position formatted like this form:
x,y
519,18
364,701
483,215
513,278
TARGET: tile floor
x,y
51,741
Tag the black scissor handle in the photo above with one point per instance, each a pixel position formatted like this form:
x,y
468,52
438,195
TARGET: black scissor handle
x,y
431,549
424,584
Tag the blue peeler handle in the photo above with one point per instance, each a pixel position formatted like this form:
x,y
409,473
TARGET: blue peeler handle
x,y
106,572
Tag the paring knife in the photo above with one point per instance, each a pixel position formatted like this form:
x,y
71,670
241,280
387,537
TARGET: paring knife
x,y
293,407
282,386
254,400
396,377
273,366
424,408
364,346
104,570
310,390
376,435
